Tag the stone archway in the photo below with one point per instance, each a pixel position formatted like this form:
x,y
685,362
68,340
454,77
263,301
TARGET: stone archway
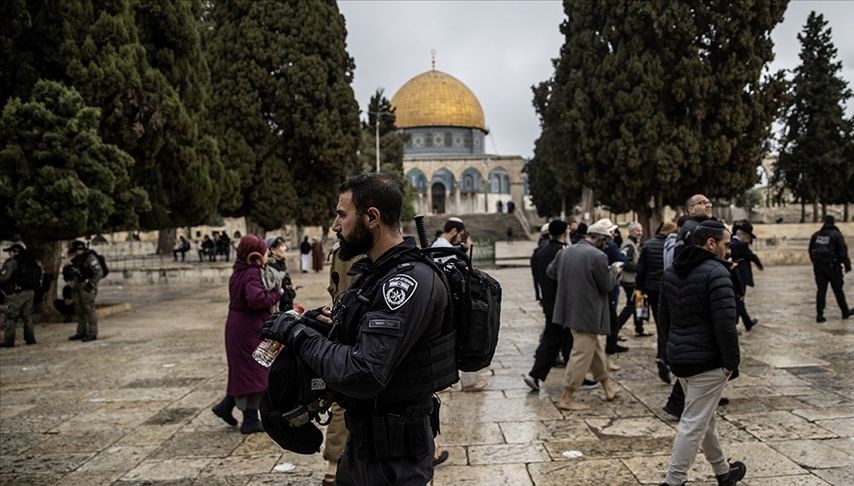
x,y
437,192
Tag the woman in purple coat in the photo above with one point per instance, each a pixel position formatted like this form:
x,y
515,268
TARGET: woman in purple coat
x,y
249,304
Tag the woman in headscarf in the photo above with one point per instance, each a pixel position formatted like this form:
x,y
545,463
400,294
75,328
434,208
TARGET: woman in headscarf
x,y
249,304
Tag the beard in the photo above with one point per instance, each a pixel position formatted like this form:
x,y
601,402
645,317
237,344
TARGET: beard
x,y
357,244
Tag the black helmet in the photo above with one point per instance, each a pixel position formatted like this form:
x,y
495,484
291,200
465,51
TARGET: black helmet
x,y
295,398
285,419
76,245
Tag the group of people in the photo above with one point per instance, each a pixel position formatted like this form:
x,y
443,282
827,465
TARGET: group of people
x,y
390,308
693,275
210,247
693,301
311,255
23,285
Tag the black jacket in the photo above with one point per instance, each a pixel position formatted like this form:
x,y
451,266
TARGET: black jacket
x,y
744,257
698,314
651,265
827,247
406,310
545,288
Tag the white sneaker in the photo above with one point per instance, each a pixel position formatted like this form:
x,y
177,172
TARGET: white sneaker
x,y
532,382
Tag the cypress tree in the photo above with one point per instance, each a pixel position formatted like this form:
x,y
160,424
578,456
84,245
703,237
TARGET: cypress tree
x,y
283,107
392,144
655,101
552,192
815,154
58,178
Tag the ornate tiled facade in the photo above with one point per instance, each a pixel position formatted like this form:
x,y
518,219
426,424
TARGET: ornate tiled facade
x,y
445,158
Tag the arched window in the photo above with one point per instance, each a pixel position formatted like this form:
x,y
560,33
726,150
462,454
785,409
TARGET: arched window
x,y
444,177
471,181
499,181
418,180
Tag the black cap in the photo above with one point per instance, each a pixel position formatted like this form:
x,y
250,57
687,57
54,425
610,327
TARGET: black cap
x,y
828,219
746,227
557,227
76,245
15,247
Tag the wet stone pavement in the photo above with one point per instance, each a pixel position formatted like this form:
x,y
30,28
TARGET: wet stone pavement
x,y
133,407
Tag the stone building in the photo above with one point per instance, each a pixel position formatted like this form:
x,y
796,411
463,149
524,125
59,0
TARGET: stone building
x,y
445,158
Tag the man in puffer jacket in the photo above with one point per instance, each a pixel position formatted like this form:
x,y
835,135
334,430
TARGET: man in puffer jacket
x,y
698,311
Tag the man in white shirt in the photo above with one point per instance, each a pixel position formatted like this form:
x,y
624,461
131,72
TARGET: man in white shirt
x,y
452,236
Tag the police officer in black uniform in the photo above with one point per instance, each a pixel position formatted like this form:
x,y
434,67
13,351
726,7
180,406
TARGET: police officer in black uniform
x,y
828,254
388,350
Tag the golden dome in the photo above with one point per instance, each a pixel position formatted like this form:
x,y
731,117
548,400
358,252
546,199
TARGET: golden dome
x,y
436,99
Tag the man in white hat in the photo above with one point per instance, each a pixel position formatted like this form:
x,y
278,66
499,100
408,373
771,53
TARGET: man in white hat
x,y
584,281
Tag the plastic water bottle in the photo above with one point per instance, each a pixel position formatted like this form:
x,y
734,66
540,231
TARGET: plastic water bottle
x,y
267,351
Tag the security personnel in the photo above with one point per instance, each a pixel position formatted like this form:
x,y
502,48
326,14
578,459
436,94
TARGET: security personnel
x,y
389,349
19,297
84,289
828,254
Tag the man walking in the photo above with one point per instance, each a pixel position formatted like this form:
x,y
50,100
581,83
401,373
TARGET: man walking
x,y
828,254
584,281
19,278
631,249
554,335
744,258
698,310
648,283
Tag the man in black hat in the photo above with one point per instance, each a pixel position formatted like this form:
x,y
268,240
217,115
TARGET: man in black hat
x,y
554,335
828,254
84,290
743,258
19,278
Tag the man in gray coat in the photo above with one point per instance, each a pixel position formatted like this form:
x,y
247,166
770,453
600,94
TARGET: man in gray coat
x,y
584,281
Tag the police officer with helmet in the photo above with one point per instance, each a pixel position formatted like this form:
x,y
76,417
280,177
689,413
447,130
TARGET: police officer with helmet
x,y
19,291
388,328
84,288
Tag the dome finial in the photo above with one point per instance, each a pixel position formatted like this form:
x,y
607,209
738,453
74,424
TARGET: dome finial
x,y
433,55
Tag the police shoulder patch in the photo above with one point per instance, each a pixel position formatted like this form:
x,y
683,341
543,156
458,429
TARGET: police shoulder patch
x,y
398,290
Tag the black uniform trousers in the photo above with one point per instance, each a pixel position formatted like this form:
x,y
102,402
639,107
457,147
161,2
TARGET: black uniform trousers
x,y
394,471
832,274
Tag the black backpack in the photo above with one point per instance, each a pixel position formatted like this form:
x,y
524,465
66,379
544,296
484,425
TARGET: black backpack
x,y
28,275
101,261
475,306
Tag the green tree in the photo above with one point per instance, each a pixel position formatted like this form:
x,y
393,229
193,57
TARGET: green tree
x,y
749,199
816,144
392,145
283,107
98,49
553,193
653,101
58,178
187,172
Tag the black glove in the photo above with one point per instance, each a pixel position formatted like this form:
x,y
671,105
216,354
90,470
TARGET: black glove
x,y
284,328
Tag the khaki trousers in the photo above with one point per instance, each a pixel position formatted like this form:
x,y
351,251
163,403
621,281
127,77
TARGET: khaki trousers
x,y
336,435
587,354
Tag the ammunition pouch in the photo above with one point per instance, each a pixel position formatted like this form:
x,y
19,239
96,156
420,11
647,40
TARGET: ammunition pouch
x,y
408,434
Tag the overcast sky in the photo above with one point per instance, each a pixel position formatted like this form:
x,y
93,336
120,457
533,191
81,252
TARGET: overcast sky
x,y
500,49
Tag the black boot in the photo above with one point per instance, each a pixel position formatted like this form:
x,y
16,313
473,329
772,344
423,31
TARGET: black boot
x,y
737,470
223,410
251,422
